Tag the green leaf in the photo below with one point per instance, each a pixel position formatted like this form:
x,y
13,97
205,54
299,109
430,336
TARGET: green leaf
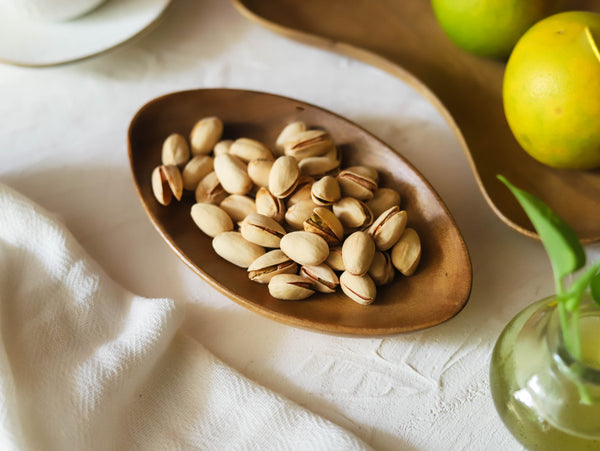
x,y
562,245
595,288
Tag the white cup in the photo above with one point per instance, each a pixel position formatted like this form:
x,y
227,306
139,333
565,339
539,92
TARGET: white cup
x,y
50,10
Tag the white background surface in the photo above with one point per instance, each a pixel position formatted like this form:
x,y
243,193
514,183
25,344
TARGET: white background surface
x,y
63,144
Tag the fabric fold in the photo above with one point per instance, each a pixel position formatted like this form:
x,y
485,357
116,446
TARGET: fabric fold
x,y
85,364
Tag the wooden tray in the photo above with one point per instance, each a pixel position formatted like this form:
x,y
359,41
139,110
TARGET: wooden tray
x,y
403,35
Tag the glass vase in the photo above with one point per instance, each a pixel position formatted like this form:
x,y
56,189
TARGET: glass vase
x,y
548,399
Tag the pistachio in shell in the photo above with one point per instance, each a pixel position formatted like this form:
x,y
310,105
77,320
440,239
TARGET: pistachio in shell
x,y
360,289
205,134
305,248
381,270
358,251
297,214
166,184
326,191
322,276
238,206
359,182
195,170
324,223
352,213
209,190
175,150
283,176
222,147
247,149
310,143
289,133
211,219
406,253
335,260
262,230
383,199
270,264
269,205
232,173
232,247
259,170
388,227
318,166
290,287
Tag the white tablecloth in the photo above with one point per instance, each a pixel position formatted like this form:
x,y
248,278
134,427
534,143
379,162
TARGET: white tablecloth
x,y
63,144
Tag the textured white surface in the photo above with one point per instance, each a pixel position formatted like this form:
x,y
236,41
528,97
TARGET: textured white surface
x,y
63,143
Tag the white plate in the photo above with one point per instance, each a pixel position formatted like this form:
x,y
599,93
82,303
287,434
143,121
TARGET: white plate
x,y
29,43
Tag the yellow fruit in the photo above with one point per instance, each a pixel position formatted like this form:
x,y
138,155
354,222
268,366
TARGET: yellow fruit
x,y
490,27
551,91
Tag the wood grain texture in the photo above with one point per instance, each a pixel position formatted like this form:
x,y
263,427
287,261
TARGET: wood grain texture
x,y
439,289
400,36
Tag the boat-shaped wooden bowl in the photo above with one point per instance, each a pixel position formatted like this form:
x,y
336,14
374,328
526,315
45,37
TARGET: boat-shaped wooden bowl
x,y
403,35
438,290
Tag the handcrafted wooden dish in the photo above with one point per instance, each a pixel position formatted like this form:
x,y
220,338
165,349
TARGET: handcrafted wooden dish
x,y
438,290
403,35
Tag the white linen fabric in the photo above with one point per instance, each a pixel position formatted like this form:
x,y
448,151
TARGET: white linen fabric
x,y
84,364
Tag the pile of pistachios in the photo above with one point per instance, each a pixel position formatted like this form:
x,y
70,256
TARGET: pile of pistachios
x,y
292,217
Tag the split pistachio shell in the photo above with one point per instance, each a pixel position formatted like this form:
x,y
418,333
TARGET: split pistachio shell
x,y
406,254
324,223
326,191
232,173
297,214
222,147
388,228
359,182
166,184
383,199
290,287
269,205
360,289
211,219
235,249
209,190
283,177
205,134
238,206
352,213
195,170
305,248
322,276
358,251
381,270
334,259
175,150
310,143
262,230
318,166
259,170
302,191
270,264
289,133
247,149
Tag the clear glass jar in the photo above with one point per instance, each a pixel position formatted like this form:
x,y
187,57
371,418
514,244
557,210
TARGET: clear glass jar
x,y
537,385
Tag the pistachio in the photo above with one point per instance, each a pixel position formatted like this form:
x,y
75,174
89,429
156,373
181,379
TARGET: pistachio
x,y
247,149
235,249
211,219
258,171
270,264
166,183
333,154
407,252
325,191
297,214
222,147
269,205
357,253
175,150
388,227
360,289
352,213
232,173
238,206
195,170
302,191
209,190
289,133
205,134
262,230
334,260
305,248
381,270
310,143
283,176
324,223
290,287
383,199
318,166
322,276
359,182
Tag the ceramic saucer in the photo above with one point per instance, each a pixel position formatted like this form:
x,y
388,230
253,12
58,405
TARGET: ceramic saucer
x,y
29,43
